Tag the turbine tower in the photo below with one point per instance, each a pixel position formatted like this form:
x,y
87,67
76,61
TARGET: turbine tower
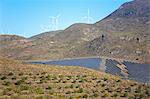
x,y
7,31
44,29
88,17
54,21
24,34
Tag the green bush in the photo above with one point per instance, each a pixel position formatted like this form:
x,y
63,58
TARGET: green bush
x,y
105,95
74,81
103,85
98,81
69,77
68,92
61,76
128,89
71,97
64,81
10,74
49,88
24,78
141,96
95,95
71,86
3,77
124,95
118,80
39,91
105,79
85,96
6,91
43,73
94,78
6,83
81,81
20,74
40,82
115,95
80,90
13,78
54,78
130,97
30,74
48,77
24,87
67,87
19,82
77,86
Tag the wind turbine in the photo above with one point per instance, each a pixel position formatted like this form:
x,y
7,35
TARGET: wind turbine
x,y
44,29
55,22
7,32
88,17
24,34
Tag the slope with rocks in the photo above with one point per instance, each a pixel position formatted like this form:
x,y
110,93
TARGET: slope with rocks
x,y
125,33
55,44
12,45
45,35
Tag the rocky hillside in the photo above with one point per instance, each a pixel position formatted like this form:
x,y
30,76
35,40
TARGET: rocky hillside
x,y
12,45
77,33
45,35
123,34
50,45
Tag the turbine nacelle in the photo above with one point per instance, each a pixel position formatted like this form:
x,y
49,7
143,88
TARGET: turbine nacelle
x,y
54,21
88,17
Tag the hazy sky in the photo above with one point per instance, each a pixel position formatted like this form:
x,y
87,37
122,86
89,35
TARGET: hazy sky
x,y
30,17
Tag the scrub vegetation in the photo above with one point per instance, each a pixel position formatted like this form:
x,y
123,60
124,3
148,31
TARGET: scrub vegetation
x,y
20,80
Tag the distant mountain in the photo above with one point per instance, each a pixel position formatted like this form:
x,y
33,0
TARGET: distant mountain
x,y
12,45
10,37
77,33
122,34
45,35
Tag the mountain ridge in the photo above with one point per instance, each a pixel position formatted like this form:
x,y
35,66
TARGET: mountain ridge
x,y
120,28
129,24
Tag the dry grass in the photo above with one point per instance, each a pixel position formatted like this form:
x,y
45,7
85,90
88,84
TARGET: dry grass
x,y
19,80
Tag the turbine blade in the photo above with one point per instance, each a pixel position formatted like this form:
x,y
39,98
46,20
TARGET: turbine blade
x,y
91,18
84,17
58,15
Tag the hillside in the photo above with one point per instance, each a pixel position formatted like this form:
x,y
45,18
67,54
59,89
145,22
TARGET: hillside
x,y
10,38
45,35
12,45
20,80
128,30
123,34
50,45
